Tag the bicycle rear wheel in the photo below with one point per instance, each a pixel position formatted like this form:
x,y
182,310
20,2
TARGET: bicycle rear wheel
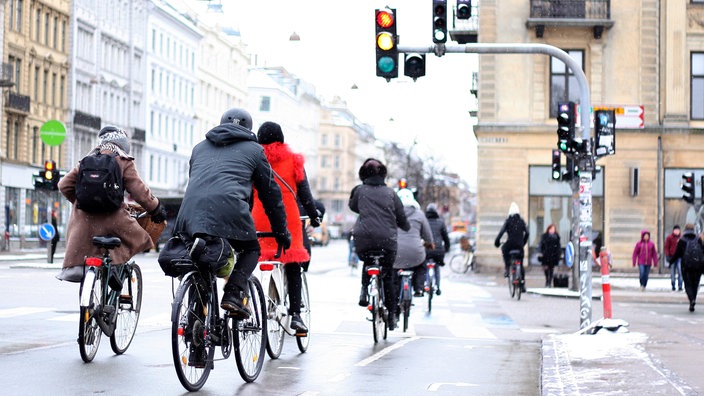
x,y
431,288
275,332
303,341
457,264
519,285
193,358
128,309
250,341
512,283
406,307
89,333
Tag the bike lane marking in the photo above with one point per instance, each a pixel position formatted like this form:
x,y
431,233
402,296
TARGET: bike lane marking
x,y
385,351
20,311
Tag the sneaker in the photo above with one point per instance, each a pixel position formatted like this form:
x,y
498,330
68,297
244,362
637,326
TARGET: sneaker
x,y
235,302
298,325
363,302
71,274
197,248
691,307
196,357
438,292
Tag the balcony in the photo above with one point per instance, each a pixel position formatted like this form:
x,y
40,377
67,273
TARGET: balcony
x,y
594,14
17,102
87,120
6,75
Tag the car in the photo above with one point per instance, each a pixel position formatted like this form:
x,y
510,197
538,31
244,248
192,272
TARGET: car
x,y
319,236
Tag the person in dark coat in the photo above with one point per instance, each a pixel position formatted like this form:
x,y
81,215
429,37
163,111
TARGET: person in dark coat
x,y
441,239
517,232
83,226
551,251
692,276
223,169
412,244
375,230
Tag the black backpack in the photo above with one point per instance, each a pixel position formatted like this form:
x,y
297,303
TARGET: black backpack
x,y
99,186
693,256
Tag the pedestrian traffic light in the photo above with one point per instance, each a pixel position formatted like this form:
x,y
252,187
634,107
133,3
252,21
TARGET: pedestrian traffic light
x,y
688,187
414,65
556,167
565,127
464,9
386,43
439,21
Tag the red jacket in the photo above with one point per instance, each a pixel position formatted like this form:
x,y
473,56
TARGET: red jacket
x,y
645,252
289,166
671,244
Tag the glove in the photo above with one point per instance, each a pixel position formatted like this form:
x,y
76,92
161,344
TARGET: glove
x,y
497,243
315,222
283,239
158,215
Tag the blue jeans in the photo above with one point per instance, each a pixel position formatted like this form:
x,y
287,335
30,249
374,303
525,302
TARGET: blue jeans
x,y
676,273
644,271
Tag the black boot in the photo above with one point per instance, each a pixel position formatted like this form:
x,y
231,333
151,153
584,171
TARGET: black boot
x,y
363,302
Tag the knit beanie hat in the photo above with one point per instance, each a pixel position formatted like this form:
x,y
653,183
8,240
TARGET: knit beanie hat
x,y
114,135
270,132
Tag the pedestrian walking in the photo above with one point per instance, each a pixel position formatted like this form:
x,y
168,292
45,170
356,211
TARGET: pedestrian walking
x,y
551,252
675,265
689,253
645,255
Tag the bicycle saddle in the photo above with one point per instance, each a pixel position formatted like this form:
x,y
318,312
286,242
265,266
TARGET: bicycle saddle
x,y
107,242
375,253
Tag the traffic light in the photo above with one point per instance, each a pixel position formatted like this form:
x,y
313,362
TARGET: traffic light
x,y
51,175
386,41
439,21
565,127
464,9
414,65
604,132
556,167
402,183
688,187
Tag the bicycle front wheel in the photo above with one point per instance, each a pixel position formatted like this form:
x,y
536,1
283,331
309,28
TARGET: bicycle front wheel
x,y
250,341
193,358
129,306
275,333
303,341
457,264
88,330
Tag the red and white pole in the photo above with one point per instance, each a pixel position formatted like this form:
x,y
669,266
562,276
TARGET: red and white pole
x,y
605,282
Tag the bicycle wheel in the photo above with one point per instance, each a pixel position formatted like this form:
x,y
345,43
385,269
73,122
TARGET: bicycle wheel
x,y
430,276
275,333
406,308
377,320
250,341
519,286
457,264
88,330
128,310
512,283
303,341
193,358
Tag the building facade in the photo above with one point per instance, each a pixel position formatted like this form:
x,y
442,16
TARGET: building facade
x,y
644,60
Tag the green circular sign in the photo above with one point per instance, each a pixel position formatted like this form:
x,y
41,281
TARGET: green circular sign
x,y
52,133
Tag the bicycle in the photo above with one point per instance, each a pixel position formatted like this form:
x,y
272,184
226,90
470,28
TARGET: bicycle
x,y
375,296
110,300
430,286
352,258
405,299
462,262
275,283
515,276
197,327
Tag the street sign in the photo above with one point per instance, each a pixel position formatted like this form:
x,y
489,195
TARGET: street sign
x,y
627,117
52,133
47,231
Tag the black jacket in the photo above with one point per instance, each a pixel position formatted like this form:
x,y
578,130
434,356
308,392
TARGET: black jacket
x,y
517,232
380,213
223,169
440,236
550,248
687,235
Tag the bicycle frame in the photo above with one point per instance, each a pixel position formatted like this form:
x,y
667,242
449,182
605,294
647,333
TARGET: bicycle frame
x,y
106,314
272,271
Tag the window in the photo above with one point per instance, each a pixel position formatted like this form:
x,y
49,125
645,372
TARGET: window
x,y
56,32
265,103
563,83
35,143
324,139
337,162
17,64
61,91
37,24
323,161
46,81
63,35
12,13
19,15
697,89
46,29
53,89
36,83
337,140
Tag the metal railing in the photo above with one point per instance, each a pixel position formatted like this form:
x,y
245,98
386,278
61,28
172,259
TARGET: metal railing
x,y
17,102
570,9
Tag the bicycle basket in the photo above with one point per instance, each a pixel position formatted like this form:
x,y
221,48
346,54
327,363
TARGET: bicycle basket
x,y
464,243
153,229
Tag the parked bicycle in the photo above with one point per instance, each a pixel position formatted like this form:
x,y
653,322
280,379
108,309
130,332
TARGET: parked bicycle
x,y
198,328
515,274
462,262
110,301
275,286
375,296
430,285
405,299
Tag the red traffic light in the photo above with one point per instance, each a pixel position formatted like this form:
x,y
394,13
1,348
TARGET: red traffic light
x,y
49,165
385,18
402,183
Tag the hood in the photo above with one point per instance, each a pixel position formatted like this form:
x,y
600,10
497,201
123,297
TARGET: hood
x,y
409,210
688,234
513,209
223,135
431,213
642,234
407,198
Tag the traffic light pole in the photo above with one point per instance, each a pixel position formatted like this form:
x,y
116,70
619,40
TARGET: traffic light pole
x,y
585,160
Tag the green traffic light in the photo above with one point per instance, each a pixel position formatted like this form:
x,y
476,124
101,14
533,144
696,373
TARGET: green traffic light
x,y
555,175
386,64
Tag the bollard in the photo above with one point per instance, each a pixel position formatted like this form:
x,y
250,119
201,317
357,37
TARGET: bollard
x,y
605,282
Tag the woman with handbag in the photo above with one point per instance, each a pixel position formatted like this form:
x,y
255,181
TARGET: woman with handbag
x,y
551,251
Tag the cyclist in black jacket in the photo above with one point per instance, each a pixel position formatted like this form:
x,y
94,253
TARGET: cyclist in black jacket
x,y
517,232
439,229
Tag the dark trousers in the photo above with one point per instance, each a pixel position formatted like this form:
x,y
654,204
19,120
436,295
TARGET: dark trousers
x,y
549,271
692,277
293,276
248,253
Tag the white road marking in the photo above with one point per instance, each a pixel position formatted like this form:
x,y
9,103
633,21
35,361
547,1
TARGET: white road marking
x,y
436,385
20,311
385,351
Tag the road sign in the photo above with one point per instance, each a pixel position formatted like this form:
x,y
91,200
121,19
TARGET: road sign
x,y
52,133
47,231
627,117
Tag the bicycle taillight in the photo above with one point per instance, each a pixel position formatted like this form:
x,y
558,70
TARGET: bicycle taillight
x,y
373,271
266,266
94,261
